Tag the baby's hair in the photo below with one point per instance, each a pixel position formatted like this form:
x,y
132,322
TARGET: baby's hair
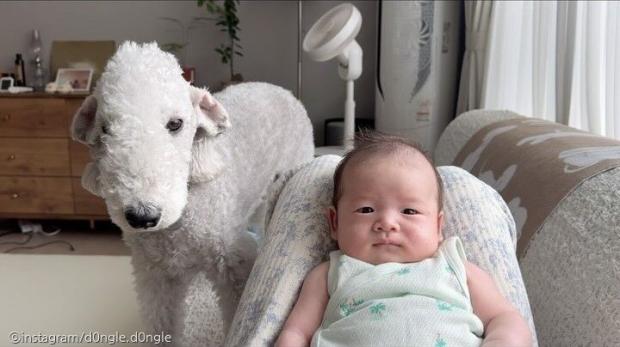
x,y
368,143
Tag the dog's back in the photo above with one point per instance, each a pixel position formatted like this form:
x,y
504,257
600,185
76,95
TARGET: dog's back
x,y
270,134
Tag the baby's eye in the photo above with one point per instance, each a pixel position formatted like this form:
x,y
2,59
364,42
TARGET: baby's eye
x,y
410,211
365,209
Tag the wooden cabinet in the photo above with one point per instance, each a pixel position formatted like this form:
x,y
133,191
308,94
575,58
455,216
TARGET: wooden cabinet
x,y
40,166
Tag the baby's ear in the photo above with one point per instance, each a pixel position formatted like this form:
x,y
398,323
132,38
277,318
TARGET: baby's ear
x,y
332,219
440,225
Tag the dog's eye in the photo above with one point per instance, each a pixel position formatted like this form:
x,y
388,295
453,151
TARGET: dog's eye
x,y
104,130
174,125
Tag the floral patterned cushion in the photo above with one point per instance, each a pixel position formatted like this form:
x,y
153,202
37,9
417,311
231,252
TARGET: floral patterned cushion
x,y
297,239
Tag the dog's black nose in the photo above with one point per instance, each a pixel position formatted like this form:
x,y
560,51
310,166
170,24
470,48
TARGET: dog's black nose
x,y
143,216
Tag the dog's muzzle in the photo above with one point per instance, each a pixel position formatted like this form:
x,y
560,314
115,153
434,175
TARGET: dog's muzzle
x,y
143,216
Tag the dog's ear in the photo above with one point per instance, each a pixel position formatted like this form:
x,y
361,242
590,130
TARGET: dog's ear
x,y
211,115
212,120
84,121
89,179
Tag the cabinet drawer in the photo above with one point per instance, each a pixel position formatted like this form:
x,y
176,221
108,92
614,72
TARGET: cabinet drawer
x,y
36,117
85,202
49,195
80,156
34,157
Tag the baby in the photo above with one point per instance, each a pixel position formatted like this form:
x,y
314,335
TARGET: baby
x,y
395,281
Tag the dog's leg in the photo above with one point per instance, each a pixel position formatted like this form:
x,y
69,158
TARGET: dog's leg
x,y
240,257
200,319
156,298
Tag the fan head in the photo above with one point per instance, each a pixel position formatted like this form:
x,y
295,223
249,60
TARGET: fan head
x,y
333,32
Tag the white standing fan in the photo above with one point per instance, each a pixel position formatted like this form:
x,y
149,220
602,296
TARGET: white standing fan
x,y
333,36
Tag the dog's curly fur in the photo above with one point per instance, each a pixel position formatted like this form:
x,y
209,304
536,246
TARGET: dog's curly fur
x,y
206,179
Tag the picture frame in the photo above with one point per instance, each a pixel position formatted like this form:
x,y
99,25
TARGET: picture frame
x,y
81,55
79,79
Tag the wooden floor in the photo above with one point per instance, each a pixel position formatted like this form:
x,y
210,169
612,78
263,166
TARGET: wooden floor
x,y
75,237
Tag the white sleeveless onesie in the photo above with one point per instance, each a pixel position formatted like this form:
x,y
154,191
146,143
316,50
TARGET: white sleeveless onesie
x,y
426,303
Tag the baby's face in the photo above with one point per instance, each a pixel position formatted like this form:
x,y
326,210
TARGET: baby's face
x,y
388,210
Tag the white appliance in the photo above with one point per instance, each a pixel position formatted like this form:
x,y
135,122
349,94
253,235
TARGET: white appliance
x,y
7,86
417,69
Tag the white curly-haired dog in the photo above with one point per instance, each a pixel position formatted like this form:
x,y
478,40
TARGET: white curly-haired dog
x,y
181,179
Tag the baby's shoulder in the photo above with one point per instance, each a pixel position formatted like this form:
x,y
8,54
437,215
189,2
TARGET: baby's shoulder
x,y
319,272
317,278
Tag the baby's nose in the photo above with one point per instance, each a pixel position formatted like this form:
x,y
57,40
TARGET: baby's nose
x,y
385,224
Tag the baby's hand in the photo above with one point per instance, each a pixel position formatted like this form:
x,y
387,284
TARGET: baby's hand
x,y
508,329
307,313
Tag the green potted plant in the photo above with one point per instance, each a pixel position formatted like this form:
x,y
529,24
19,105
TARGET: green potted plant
x,y
225,15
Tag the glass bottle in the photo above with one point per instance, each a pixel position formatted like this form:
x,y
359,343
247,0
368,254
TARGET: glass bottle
x,y
38,75
20,75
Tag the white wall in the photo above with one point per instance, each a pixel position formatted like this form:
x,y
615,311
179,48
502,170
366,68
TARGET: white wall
x,y
268,36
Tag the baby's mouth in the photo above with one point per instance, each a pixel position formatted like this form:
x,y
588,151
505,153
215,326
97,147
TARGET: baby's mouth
x,y
385,243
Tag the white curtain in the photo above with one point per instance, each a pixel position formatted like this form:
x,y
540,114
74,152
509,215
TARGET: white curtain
x,y
477,18
558,61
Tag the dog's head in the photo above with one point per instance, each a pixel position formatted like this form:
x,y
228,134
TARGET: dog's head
x,y
149,132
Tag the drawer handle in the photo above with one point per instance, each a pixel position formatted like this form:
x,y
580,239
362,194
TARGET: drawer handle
x,y
14,196
6,117
11,157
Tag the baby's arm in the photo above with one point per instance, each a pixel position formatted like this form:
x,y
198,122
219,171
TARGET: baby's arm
x,y
503,324
307,314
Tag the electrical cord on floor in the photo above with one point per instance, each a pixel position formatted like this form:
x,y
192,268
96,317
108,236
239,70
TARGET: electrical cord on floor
x,y
6,233
28,238
30,229
71,248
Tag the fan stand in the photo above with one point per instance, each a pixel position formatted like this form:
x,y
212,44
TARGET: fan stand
x,y
333,36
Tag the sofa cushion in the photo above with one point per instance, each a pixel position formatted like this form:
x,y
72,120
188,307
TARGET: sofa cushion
x,y
518,156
